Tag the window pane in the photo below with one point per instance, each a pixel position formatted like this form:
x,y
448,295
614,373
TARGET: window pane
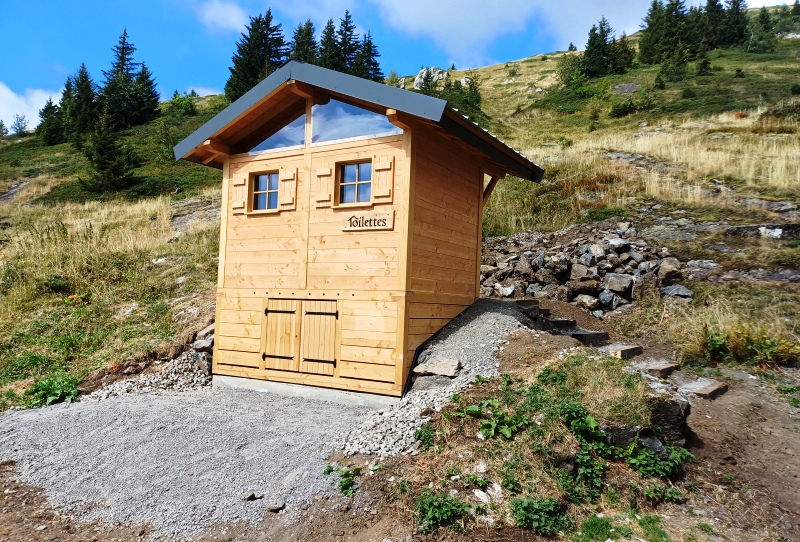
x,y
364,191
338,120
273,181
349,173
365,171
259,202
273,200
291,135
348,194
260,184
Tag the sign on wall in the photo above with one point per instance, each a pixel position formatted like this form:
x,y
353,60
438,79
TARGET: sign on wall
x,y
368,220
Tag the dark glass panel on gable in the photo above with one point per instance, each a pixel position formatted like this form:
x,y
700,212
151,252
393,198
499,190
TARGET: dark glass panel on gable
x,y
337,120
291,135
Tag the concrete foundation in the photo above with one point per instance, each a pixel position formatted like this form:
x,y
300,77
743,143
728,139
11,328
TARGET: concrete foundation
x,y
341,397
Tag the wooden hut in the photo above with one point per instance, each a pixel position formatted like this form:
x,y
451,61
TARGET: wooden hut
x,y
350,226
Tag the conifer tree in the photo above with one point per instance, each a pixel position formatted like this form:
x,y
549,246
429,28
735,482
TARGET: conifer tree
x,y
429,86
366,63
329,56
598,57
144,100
117,93
762,36
622,55
675,29
674,67
347,42
652,33
783,22
703,67
112,162
3,129
50,129
571,48
796,9
303,45
259,52
20,125
79,107
67,108
393,80
714,23
736,23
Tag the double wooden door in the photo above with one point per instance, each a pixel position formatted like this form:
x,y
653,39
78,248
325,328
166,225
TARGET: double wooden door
x,y
300,336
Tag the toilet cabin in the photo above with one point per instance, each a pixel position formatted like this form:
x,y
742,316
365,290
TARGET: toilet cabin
x,y
350,226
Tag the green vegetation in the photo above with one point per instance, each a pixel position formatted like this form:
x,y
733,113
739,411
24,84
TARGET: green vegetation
x,y
542,516
50,391
434,510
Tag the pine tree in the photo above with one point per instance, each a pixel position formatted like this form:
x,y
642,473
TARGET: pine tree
x,y
429,85
675,25
50,129
695,29
259,52
598,57
796,9
144,101
784,22
303,46
466,98
652,33
571,48
348,42
622,55
714,19
703,67
3,129
117,93
762,36
736,23
366,63
67,107
329,56
112,162
393,80
674,67
20,125
79,107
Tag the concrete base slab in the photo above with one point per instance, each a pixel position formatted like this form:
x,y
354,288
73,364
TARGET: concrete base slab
x,y
341,397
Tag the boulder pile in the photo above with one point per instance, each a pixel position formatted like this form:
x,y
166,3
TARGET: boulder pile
x,y
602,267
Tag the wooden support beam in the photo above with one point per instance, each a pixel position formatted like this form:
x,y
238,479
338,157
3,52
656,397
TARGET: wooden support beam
x,y
302,89
490,187
217,147
395,118
210,158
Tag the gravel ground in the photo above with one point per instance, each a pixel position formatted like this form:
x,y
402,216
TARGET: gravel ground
x,y
179,461
472,339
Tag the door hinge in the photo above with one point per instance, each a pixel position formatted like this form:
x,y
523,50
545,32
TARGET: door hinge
x,y
311,360
316,313
265,356
267,312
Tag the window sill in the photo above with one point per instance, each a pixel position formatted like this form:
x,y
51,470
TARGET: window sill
x,y
359,205
264,212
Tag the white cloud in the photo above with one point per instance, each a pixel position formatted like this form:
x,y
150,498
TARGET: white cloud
x,y
28,103
222,16
204,91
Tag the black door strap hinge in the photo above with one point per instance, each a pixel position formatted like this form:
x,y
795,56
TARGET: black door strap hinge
x,y
315,313
265,356
311,360
267,312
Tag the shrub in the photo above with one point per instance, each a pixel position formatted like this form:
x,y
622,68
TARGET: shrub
x,y
183,104
425,435
649,465
688,93
50,391
542,516
622,107
438,510
795,89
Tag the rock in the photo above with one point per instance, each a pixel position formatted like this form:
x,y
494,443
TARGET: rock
x,y
523,270
203,361
276,506
677,290
712,391
488,269
669,412
636,256
430,382
439,366
253,496
652,443
438,75
538,261
618,283
204,345
504,291
621,435
619,245
504,273
578,271
670,270
482,496
205,332
531,290
587,302
622,227
662,370
610,299
624,351
588,286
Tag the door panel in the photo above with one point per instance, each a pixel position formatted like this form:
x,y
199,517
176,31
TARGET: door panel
x,y
318,352
281,337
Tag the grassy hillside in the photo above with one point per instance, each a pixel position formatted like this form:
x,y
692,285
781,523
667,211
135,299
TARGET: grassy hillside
x,y
88,281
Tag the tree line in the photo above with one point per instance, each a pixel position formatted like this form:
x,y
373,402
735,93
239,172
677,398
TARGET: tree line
x,y
263,49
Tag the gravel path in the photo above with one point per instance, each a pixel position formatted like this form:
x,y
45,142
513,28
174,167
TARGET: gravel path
x,y
179,461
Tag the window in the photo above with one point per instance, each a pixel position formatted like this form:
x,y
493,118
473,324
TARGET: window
x,y
336,121
355,183
265,191
290,136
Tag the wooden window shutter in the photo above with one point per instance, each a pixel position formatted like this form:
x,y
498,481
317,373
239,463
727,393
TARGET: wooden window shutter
x,y
239,193
287,188
318,352
281,334
323,192
382,179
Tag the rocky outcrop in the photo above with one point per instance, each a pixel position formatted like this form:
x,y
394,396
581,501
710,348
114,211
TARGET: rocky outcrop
x,y
601,268
438,75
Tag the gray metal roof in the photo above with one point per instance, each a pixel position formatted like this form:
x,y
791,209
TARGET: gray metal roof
x,y
411,103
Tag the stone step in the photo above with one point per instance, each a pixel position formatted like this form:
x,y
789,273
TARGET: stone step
x,y
706,388
663,370
561,323
545,312
712,391
624,351
585,335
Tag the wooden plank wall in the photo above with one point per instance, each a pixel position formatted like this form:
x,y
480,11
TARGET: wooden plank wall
x,y
446,235
304,254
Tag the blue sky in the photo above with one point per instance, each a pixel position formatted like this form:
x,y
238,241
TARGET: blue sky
x,y
188,43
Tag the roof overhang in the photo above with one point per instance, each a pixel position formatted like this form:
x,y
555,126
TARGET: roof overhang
x,y
277,100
